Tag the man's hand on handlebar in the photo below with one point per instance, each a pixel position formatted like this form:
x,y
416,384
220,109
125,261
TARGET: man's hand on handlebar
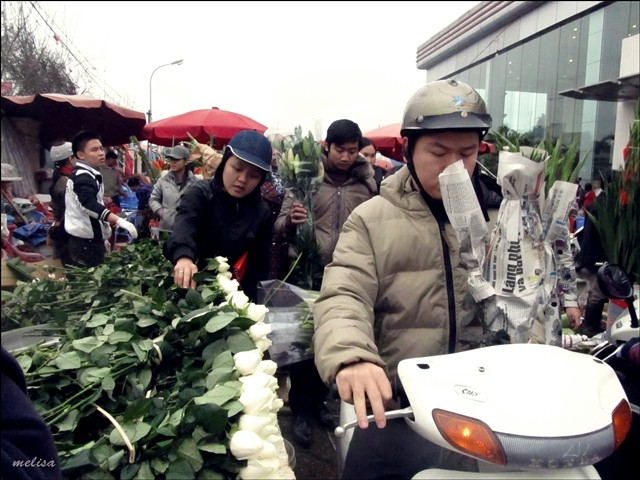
x,y
364,382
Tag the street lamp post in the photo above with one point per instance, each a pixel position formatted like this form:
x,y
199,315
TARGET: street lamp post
x,y
177,62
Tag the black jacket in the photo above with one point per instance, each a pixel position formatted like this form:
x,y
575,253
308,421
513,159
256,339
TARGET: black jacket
x,y
28,449
209,223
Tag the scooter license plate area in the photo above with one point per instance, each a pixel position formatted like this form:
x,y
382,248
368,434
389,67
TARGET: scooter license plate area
x,y
529,453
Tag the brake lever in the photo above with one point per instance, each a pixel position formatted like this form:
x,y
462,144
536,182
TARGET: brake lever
x,y
341,430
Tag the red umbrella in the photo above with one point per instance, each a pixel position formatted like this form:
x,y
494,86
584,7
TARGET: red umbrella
x,y
201,125
62,116
388,141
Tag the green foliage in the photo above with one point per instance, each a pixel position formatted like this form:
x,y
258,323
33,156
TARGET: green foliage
x,y
301,171
562,162
617,214
155,357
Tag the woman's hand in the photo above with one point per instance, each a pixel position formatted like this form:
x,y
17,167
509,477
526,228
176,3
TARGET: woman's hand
x,y
298,214
183,273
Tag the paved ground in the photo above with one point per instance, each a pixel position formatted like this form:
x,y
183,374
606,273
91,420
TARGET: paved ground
x,y
319,461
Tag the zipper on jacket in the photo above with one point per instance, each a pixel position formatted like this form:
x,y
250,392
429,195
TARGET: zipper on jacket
x,y
450,291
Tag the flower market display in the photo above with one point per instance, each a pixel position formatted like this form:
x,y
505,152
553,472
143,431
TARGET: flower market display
x,y
148,380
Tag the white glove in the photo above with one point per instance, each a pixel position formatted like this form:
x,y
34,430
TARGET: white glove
x,y
128,226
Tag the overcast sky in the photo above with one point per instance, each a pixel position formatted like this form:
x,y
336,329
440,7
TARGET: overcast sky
x,y
281,63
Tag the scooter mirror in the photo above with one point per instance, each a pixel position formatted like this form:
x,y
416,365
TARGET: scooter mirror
x,y
614,282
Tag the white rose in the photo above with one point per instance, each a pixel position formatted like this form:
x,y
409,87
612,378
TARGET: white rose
x,y
258,380
276,405
263,344
254,423
239,300
228,285
268,451
245,444
246,362
256,470
259,330
257,312
267,366
223,264
251,472
268,431
258,401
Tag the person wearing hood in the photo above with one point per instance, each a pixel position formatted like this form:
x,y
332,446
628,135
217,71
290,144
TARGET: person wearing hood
x,y
226,216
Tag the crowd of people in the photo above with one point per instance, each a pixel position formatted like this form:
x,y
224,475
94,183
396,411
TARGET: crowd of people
x,y
392,284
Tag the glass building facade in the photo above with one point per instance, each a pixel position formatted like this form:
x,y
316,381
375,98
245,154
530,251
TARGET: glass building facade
x,y
523,81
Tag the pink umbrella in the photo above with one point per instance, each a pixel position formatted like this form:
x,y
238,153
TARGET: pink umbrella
x,y
201,125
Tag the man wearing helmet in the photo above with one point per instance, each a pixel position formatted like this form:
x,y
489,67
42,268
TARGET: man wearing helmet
x,y
395,288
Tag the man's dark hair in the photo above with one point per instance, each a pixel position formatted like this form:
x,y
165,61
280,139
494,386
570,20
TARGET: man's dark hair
x,y
343,131
112,154
81,138
134,182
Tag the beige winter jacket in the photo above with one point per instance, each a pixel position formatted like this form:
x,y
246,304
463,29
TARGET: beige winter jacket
x,y
391,260
332,204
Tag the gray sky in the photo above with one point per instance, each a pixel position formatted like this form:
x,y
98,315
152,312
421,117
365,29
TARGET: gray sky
x,y
281,63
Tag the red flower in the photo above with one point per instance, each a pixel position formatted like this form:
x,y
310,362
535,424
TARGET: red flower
x,y
624,197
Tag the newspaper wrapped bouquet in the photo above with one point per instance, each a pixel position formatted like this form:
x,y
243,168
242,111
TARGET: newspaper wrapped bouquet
x,y
513,273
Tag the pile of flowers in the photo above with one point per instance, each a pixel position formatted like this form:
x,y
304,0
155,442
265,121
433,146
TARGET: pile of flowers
x,y
148,380
301,171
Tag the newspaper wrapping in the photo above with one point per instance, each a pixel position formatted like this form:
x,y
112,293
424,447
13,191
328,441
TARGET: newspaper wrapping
x,y
517,259
528,264
555,225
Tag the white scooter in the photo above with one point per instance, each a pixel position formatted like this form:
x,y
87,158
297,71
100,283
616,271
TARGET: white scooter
x,y
512,408
524,411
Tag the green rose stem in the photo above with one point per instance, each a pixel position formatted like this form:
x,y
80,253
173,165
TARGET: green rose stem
x,y
60,411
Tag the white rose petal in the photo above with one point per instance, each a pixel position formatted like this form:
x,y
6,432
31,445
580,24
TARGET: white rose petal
x,y
268,451
239,300
257,312
267,366
246,362
258,380
277,404
258,401
267,431
223,264
272,464
245,444
277,440
254,423
263,344
259,330
255,471
227,285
